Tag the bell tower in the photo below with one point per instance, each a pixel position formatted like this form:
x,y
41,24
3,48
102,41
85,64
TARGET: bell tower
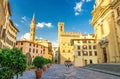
x,y
32,29
60,27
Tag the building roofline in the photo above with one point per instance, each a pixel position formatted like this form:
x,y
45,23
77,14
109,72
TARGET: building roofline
x,y
29,42
13,24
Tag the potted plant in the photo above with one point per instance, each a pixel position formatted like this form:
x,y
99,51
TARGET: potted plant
x,y
14,61
49,63
38,62
44,66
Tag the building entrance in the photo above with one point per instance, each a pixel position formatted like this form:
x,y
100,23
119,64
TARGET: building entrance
x,y
104,55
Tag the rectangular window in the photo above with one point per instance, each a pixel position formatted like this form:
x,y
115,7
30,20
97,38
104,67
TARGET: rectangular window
x,y
29,49
63,51
21,43
79,54
89,46
68,51
30,44
94,47
41,51
84,41
89,41
85,53
33,50
36,50
78,47
95,52
90,53
85,47
34,45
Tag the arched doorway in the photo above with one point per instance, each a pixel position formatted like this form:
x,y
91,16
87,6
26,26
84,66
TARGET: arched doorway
x,y
29,59
91,62
104,55
85,62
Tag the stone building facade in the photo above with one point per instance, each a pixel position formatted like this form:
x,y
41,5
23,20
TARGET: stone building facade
x,y
106,22
8,32
85,51
67,43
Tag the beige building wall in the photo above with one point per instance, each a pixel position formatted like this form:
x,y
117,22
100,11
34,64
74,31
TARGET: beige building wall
x,y
66,51
32,48
8,32
43,46
47,45
106,24
85,51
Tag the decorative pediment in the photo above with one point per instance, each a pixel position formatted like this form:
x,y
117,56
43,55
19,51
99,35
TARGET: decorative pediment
x,y
103,42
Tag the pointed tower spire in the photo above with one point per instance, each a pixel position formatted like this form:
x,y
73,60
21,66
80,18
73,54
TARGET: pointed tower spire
x,y
32,28
33,19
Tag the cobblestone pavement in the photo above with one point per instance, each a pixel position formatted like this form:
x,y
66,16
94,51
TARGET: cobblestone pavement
x,y
61,72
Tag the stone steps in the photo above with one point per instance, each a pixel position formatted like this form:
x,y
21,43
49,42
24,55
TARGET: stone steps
x,y
107,67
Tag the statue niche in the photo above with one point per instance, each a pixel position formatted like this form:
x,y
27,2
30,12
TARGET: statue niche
x,y
118,11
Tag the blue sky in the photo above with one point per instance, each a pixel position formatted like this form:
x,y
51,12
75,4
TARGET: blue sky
x,y
76,14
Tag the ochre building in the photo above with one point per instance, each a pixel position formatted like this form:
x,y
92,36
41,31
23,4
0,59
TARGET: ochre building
x,y
8,32
67,47
85,51
106,22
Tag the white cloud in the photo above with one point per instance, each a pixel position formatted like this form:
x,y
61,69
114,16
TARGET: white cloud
x,y
16,24
26,36
89,21
39,37
94,6
43,24
88,0
24,18
78,7
76,13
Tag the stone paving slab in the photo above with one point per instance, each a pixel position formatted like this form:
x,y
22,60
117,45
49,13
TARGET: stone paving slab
x,y
61,72
104,71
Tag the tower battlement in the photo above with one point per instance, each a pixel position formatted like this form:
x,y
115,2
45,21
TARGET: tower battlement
x,y
72,33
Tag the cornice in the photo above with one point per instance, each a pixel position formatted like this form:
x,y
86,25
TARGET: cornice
x,y
114,2
99,12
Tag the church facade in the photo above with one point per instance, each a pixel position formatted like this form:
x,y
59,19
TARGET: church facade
x,y
106,23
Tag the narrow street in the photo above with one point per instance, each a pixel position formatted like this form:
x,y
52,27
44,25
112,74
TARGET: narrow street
x,y
61,72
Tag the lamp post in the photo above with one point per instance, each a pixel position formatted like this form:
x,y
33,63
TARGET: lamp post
x,y
103,42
